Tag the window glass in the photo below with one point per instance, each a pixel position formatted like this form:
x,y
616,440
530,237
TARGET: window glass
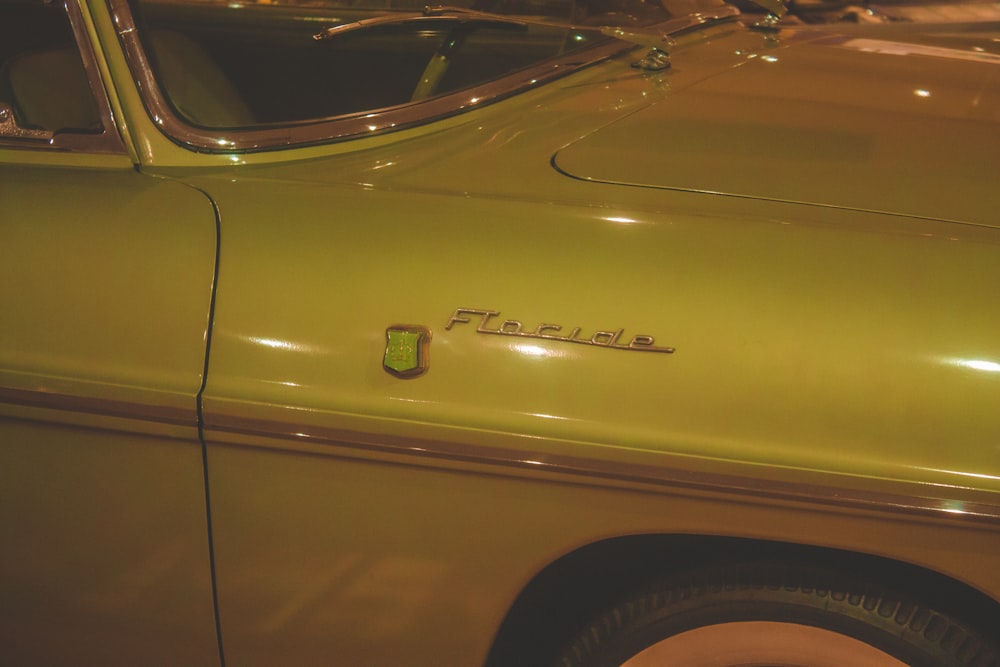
x,y
257,64
44,87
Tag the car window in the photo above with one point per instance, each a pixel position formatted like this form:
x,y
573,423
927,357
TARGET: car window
x,y
252,66
46,93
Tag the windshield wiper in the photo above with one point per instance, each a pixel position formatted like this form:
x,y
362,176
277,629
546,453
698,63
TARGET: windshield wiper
x,y
451,15
659,38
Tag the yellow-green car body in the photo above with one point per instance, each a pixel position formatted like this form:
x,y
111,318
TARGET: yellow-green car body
x,y
435,382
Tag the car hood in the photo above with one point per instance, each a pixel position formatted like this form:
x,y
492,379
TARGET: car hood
x,y
897,120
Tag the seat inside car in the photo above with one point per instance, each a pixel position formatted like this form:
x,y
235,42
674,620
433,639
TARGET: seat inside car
x,y
195,84
49,90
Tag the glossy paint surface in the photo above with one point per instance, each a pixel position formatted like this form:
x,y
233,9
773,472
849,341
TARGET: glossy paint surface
x,y
836,304
105,282
917,134
833,379
814,347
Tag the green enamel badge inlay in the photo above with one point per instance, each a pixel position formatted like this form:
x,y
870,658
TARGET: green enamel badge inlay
x,y
406,351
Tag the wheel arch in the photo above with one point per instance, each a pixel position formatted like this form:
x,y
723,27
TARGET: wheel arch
x,y
569,592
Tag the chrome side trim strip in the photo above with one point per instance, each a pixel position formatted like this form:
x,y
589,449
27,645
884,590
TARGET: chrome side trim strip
x,y
932,501
103,407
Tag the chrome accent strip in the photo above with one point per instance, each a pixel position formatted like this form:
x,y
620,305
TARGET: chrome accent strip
x,y
99,406
337,128
933,504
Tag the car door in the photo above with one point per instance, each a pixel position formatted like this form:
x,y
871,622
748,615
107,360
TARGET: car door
x,y
106,279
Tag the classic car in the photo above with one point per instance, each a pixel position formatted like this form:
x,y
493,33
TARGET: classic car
x,y
509,333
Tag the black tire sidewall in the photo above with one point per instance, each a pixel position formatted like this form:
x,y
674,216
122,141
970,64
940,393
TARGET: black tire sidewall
x,y
900,627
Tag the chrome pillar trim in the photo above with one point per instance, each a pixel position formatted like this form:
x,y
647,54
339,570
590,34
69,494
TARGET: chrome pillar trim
x,y
338,128
109,140
916,499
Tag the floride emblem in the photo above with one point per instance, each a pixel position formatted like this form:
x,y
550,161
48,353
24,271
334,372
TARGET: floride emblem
x,y
489,323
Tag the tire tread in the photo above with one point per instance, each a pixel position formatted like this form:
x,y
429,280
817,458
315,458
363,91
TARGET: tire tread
x,y
921,626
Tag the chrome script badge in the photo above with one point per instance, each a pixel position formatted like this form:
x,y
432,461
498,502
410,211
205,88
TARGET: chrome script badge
x,y
610,339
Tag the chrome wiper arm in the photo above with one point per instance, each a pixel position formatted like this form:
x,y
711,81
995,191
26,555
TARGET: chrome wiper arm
x,y
658,38
454,15
641,35
387,19
441,10
448,10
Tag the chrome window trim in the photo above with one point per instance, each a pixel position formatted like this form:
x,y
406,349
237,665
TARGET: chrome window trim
x,y
108,141
336,128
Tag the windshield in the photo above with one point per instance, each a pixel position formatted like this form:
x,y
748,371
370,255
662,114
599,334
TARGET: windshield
x,y
255,65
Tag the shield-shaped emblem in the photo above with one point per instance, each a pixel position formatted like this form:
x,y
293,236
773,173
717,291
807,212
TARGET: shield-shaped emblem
x,y
406,350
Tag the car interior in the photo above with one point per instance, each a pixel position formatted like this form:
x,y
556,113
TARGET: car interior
x,y
42,78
